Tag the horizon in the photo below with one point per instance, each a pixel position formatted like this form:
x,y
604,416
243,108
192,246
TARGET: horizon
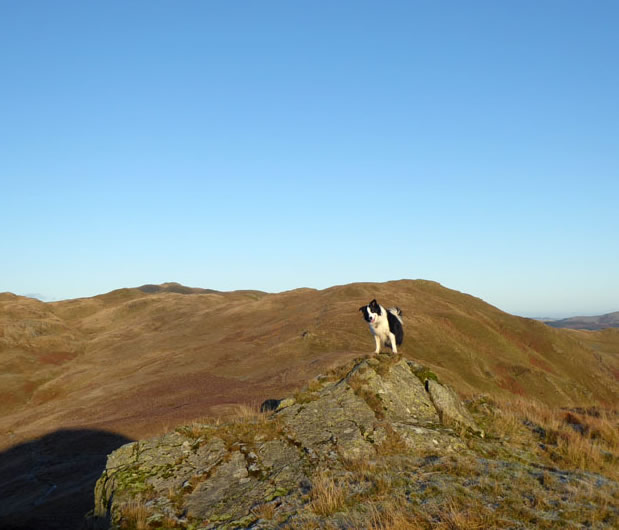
x,y
43,298
264,146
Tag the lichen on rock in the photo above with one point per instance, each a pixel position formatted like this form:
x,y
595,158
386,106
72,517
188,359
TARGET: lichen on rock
x,y
375,427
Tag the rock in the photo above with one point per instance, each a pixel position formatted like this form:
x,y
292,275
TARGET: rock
x,y
276,404
338,418
269,404
449,407
288,402
261,472
227,485
402,396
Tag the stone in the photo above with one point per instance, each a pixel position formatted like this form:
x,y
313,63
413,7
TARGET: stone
x,y
338,418
224,476
288,402
403,396
449,407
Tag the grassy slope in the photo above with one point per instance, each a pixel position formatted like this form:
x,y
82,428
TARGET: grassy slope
x,y
141,362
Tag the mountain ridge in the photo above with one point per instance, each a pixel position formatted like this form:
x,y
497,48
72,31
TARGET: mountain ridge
x,y
103,361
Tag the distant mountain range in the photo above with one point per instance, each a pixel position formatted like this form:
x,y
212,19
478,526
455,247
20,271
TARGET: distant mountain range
x,y
609,320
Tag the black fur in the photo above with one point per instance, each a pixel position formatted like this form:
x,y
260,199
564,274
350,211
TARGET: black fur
x,y
395,327
375,307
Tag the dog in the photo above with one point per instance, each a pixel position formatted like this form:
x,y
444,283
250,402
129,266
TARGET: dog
x,y
385,325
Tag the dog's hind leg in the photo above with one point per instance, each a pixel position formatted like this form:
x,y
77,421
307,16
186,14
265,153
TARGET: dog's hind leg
x,y
394,346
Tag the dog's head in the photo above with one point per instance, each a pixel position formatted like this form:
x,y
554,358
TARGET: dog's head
x,y
371,311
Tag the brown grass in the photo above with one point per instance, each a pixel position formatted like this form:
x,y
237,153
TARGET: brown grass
x,y
393,444
391,515
575,440
327,495
385,362
247,412
244,424
305,396
361,467
134,515
265,511
453,513
464,514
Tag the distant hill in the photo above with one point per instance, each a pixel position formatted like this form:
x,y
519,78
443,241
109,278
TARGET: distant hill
x,y
609,320
173,287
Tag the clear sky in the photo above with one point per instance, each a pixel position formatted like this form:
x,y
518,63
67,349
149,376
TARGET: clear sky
x,y
273,145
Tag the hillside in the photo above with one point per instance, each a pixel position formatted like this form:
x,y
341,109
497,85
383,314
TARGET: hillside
x,y
137,361
609,320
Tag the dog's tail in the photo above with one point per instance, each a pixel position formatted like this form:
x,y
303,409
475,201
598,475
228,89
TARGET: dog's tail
x,y
397,312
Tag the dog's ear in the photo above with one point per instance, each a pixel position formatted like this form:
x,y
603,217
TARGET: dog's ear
x,y
375,307
362,308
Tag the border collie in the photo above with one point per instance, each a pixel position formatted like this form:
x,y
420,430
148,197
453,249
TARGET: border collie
x,y
385,325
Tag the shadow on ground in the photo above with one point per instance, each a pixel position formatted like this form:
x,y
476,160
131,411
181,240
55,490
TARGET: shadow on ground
x,y
48,483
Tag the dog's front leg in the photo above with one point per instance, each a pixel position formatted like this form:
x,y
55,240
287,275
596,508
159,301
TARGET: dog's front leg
x,y
377,344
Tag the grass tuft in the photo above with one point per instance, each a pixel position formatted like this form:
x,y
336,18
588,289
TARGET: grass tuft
x,y
327,495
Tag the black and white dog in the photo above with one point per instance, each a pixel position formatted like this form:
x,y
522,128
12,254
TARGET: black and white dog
x,y
385,325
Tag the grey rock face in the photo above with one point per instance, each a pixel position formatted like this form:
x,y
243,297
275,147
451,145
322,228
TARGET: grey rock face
x,y
449,407
337,420
274,470
403,396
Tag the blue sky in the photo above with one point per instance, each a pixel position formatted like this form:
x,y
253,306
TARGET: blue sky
x,y
273,145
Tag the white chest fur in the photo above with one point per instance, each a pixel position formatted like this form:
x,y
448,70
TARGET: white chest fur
x,y
380,327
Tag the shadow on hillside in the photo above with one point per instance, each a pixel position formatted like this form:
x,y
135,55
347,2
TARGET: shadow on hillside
x,y
48,483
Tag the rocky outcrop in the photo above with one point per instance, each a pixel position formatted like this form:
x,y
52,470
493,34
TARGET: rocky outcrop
x,y
313,462
449,407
